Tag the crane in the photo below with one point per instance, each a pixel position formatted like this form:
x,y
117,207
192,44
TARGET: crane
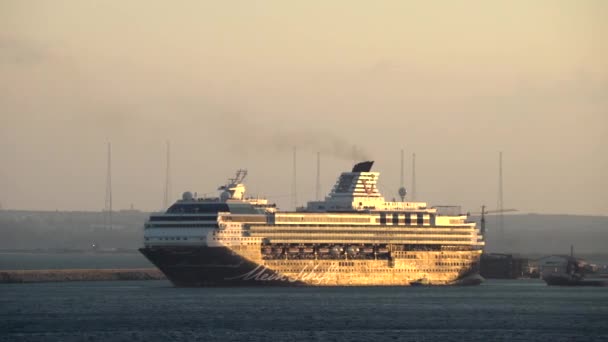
x,y
484,212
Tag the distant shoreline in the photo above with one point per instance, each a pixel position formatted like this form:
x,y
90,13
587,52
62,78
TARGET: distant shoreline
x,y
64,275
72,251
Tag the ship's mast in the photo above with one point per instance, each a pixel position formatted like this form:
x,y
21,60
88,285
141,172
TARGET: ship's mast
x,y
499,206
108,202
572,251
167,195
401,179
402,190
413,176
483,221
318,185
294,189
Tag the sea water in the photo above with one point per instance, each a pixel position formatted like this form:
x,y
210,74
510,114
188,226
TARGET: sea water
x,y
49,260
514,310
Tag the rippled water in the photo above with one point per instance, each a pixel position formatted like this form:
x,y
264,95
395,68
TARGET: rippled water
x,y
155,311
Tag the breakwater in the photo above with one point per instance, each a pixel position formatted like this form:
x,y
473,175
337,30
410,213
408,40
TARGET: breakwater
x,y
42,276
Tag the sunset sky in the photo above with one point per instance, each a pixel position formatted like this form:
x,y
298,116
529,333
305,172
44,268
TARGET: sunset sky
x,y
238,84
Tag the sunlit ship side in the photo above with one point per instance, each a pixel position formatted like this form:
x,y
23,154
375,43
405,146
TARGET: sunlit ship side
x,y
352,238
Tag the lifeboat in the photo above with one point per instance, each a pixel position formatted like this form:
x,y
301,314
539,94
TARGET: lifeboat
x,y
336,250
421,282
352,250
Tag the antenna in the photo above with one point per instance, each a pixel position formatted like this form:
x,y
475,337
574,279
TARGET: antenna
x,y
402,190
294,188
572,251
401,179
499,204
413,176
318,185
108,203
167,178
483,221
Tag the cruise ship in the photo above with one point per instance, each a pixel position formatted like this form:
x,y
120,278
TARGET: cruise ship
x,y
352,238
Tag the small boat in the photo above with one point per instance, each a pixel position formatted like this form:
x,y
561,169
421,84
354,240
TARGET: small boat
x,y
421,282
564,270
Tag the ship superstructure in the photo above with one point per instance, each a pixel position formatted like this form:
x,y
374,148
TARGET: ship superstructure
x,y
353,237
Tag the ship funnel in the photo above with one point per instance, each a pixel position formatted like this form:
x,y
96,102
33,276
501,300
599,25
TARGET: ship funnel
x,y
365,166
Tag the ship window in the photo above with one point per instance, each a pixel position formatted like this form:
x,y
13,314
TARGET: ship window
x,y
184,218
198,208
408,219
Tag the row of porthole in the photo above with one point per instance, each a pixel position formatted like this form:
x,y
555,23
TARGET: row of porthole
x,y
279,264
279,225
357,233
295,235
372,270
353,238
301,232
451,256
450,264
346,263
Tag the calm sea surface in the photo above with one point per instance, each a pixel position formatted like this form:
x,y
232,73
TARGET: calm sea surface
x,y
523,310
42,261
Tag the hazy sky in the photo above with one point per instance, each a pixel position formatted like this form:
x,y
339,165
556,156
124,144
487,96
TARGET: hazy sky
x,y
236,84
